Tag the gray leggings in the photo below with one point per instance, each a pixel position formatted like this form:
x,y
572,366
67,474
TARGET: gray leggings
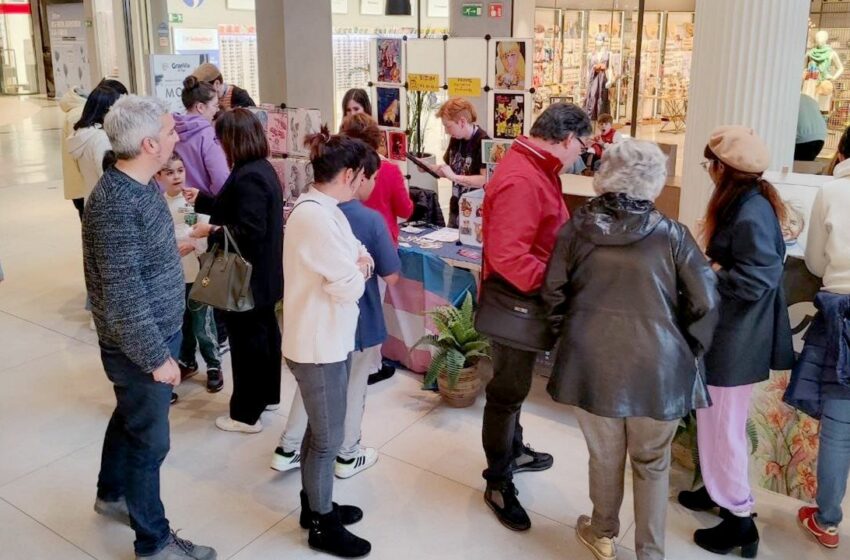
x,y
324,388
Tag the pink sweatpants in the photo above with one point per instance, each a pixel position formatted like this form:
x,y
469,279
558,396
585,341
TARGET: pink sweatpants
x,y
724,447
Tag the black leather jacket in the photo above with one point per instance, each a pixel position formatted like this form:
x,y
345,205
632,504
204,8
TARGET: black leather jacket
x,y
634,302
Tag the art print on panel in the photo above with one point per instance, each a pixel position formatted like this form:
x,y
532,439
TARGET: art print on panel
x,y
510,65
389,61
508,115
389,106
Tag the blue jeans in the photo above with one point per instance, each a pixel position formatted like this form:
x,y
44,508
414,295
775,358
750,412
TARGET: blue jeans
x,y
833,461
135,445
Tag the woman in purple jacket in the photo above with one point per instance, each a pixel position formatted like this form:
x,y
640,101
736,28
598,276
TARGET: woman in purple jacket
x,y
206,164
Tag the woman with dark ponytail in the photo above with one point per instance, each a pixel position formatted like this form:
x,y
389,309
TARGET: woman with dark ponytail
x,y
200,150
325,269
745,245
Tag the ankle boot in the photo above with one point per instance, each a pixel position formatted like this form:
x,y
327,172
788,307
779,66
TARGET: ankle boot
x,y
328,535
697,500
348,515
733,532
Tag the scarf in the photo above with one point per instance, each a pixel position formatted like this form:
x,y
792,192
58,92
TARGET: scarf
x,y
822,56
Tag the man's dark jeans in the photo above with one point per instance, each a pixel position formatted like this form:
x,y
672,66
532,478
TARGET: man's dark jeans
x,y
136,443
502,432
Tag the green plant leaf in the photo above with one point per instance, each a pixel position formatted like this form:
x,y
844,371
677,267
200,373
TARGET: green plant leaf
x,y
753,435
476,346
428,340
454,363
438,364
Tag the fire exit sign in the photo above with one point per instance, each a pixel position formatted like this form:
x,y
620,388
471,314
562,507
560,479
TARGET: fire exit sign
x,y
473,10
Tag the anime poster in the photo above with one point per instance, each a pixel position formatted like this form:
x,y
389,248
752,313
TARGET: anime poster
x,y
508,115
492,151
389,61
389,106
301,124
382,149
276,127
397,145
510,65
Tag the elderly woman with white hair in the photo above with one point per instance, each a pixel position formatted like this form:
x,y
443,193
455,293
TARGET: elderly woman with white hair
x,y
633,301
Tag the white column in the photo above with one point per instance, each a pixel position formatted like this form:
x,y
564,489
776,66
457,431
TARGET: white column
x,y
295,54
747,69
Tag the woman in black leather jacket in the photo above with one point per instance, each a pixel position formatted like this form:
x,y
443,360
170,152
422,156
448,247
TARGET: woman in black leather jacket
x,y
633,300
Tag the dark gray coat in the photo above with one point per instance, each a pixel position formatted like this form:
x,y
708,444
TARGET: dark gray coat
x,y
634,302
754,332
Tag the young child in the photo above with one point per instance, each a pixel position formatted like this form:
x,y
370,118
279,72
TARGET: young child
x,y
198,323
607,136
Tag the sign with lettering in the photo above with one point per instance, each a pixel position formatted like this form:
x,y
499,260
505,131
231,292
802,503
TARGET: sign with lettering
x,y
423,82
464,87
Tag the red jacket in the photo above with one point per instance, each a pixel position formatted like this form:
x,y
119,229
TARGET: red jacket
x,y
523,212
390,197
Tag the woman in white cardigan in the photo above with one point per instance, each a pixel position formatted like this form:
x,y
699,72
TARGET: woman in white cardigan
x,y
325,270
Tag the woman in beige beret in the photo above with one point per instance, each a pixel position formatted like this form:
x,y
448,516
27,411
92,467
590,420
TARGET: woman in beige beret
x,y
753,336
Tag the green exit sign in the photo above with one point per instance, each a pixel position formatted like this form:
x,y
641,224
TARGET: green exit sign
x,y
473,10
175,18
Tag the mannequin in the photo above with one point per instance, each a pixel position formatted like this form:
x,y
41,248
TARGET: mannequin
x,y
599,79
823,66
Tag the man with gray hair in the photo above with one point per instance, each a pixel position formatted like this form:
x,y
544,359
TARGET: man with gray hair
x,y
524,210
135,281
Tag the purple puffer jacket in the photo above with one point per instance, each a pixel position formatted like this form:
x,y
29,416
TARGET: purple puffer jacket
x,y
206,164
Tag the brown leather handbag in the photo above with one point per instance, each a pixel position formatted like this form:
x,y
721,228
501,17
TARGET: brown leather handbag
x,y
224,281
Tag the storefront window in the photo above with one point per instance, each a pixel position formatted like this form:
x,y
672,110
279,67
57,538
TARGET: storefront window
x,y
225,31
17,52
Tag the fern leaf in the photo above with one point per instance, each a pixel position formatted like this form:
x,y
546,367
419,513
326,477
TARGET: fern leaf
x,y
753,435
438,364
454,363
428,340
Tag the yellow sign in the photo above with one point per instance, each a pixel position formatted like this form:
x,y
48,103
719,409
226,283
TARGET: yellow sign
x,y
464,87
423,82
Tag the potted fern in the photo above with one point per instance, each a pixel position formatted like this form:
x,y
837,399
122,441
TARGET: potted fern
x,y
459,350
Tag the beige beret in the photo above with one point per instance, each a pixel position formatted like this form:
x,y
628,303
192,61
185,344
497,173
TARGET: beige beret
x,y
740,147
207,72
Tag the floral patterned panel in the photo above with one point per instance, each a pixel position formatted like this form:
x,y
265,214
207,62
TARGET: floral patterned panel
x,y
786,457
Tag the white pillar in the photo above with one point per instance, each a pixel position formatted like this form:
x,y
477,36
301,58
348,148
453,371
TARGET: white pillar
x,y
747,69
295,54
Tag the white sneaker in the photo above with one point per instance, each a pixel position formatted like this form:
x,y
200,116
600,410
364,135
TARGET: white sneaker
x,y
367,457
282,462
228,424
603,548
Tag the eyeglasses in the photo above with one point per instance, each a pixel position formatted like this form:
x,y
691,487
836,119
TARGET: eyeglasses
x,y
580,141
705,164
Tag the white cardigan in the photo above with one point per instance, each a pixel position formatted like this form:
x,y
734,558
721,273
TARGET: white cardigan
x,y
322,282
828,241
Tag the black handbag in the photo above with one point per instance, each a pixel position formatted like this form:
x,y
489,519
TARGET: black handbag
x,y
513,318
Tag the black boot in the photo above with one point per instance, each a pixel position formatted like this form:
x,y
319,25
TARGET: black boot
x,y
502,499
699,500
348,515
328,535
733,532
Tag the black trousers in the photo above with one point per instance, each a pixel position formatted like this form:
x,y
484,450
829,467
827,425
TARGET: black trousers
x,y
808,151
502,432
256,359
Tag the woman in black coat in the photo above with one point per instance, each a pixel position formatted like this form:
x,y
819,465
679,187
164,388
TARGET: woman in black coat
x,y
250,205
754,333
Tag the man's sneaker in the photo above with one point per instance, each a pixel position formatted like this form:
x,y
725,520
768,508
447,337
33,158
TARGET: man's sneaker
x,y
215,380
282,461
603,548
187,369
502,499
531,461
228,424
346,468
382,374
181,549
116,510
828,536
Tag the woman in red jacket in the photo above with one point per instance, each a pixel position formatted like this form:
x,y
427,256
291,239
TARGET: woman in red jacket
x,y
390,197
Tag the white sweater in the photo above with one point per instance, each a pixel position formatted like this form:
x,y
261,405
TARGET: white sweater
x,y
828,242
88,146
322,282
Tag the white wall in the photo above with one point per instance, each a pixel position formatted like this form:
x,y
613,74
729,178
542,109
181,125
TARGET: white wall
x,y
372,23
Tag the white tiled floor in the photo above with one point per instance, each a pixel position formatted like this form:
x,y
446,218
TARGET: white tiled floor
x,y
422,499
